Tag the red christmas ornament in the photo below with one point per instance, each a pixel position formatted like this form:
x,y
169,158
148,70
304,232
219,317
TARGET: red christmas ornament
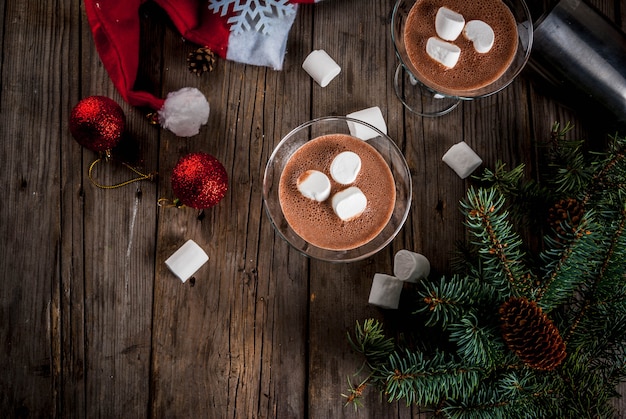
x,y
199,180
97,123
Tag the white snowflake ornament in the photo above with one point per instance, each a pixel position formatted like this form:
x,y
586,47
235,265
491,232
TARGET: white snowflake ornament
x,y
253,15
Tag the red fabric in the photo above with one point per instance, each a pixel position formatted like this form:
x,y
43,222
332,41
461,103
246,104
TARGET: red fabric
x,y
115,27
198,24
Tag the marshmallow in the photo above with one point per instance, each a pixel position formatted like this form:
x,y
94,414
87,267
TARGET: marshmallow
x,y
385,291
410,266
186,260
314,185
443,52
321,67
481,34
349,203
345,167
449,24
462,159
372,116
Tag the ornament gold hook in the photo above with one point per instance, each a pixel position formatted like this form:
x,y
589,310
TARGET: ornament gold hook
x,y
167,203
142,176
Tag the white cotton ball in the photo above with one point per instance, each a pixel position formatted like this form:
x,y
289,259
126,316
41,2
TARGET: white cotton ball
x,y
184,112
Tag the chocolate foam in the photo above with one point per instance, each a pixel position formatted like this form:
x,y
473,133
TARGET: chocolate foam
x,y
316,222
473,70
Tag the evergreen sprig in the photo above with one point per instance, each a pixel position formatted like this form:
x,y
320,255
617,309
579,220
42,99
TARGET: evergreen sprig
x,y
576,276
425,380
499,245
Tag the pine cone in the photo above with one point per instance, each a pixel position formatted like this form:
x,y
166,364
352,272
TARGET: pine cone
x,y
201,61
531,335
570,210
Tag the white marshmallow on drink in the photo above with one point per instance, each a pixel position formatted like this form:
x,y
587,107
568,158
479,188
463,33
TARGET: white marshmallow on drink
x,y
443,52
349,203
449,24
314,185
410,266
187,260
345,167
385,291
372,116
462,159
481,35
321,67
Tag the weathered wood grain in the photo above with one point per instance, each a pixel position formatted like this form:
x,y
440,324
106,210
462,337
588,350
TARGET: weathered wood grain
x,y
33,40
93,324
245,313
118,247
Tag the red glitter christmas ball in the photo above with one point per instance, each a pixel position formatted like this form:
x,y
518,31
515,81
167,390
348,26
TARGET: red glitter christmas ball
x,y
199,180
97,123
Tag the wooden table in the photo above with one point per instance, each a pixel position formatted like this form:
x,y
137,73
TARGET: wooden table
x,y
93,324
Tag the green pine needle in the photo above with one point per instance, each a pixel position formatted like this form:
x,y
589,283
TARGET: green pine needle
x,y
576,275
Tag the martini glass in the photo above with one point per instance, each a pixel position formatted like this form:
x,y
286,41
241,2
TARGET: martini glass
x,y
329,125
420,96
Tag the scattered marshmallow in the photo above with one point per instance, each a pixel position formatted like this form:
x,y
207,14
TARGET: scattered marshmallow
x,y
321,67
349,203
187,260
372,116
443,52
345,167
449,24
385,291
481,35
314,185
462,159
410,266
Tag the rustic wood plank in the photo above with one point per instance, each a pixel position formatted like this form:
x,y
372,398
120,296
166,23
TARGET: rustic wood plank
x,y
248,305
70,375
93,323
339,292
33,102
119,247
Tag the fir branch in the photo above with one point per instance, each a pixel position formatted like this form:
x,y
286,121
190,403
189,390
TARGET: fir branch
x,y
370,341
616,245
499,246
610,171
480,345
355,394
526,199
507,183
444,301
511,393
427,380
447,301
586,389
568,171
579,278
567,266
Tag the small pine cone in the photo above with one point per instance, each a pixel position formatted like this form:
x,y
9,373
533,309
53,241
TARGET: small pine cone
x,y
570,210
201,61
531,335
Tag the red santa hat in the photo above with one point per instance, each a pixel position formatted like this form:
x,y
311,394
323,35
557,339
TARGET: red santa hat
x,y
246,31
